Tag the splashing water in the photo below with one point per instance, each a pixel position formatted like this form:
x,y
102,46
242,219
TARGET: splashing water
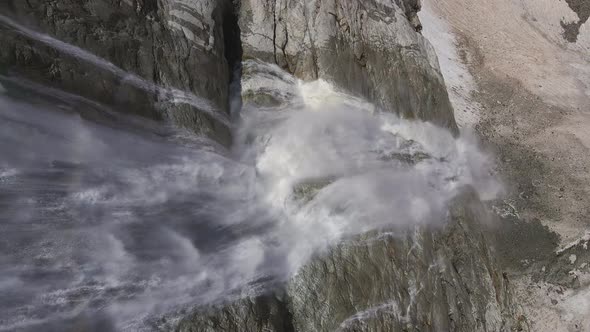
x,y
134,221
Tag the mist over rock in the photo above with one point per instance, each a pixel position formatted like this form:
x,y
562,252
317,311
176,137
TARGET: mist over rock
x,y
281,62
421,280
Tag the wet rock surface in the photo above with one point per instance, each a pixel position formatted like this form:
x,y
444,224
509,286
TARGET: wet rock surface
x,y
572,29
423,280
419,279
176,44
370,48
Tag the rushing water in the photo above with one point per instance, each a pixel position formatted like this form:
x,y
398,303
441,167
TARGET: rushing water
x,y
110,221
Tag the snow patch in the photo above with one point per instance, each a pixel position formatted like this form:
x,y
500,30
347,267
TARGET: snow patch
x,y
573,259
460,83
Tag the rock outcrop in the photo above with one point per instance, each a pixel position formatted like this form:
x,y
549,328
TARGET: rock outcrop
x,y
186,45
572,29
370,48
423,279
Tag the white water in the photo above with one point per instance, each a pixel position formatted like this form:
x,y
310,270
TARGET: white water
x,y
135,221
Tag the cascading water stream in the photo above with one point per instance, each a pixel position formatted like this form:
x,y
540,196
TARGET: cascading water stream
x,y
131,220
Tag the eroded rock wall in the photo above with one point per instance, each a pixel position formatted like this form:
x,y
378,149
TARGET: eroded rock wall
x,y
183,44
425,280
370,48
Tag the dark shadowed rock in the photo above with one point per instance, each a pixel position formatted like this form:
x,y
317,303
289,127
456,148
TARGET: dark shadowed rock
x,y
169,43
571,30
420,280
263,313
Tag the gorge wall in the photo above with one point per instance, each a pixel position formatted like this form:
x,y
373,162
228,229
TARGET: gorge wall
x,y
184,45
422,279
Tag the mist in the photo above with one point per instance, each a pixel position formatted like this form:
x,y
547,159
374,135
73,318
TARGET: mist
x,y
129,220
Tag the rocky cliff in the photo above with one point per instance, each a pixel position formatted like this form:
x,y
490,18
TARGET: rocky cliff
x,y
419,280
187,45
370,48
424,280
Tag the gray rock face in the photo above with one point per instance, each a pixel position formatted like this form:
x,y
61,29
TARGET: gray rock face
x,y
181,44
263,313
425,280
370,48
421,279
572,29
